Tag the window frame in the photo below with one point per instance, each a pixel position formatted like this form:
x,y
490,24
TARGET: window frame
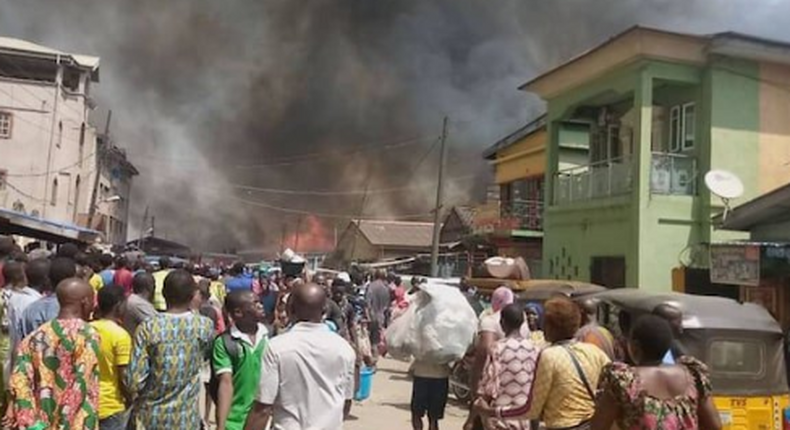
x,y
3,179
10,117
684,125
675,128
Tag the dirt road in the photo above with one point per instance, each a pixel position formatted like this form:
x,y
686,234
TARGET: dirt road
x,y
388,406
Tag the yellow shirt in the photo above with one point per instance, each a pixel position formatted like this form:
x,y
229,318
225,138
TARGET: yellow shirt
x,y
217,290
558,395
96,282
159,298
115,349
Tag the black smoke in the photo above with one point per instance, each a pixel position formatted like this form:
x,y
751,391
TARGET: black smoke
x,y
201,90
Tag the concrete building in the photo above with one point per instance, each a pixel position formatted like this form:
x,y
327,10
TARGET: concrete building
x,y
49,150
659,109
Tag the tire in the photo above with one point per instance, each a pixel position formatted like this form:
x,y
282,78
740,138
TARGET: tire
x,y
459,383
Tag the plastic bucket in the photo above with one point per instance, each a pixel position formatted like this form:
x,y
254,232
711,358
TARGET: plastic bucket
x,y
365,384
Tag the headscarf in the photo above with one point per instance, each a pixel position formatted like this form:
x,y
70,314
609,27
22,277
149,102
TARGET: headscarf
x,y
502,297
538,310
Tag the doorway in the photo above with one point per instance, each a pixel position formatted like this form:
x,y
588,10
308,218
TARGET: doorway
x,y
608,271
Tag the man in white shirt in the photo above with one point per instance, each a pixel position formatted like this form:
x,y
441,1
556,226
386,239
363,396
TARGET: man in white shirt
x,y
307,376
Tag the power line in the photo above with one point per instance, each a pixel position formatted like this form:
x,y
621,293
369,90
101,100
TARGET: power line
x,y
47,173
321,214
339,192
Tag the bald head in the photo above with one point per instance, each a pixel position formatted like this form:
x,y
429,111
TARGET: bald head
x,y
308,301
75,297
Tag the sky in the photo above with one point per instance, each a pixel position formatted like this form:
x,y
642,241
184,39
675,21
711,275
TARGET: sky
x,y
245,116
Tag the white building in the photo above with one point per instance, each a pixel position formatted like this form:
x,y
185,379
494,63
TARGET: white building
x,y
49,151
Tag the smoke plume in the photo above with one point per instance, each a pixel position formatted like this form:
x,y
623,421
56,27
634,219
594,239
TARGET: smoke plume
x,y
207,95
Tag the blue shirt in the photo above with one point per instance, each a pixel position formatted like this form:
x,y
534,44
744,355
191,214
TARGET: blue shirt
x,y
107,276
239,283
39,312
668,358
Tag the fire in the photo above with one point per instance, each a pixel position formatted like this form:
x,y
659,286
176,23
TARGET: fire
x,y
311,237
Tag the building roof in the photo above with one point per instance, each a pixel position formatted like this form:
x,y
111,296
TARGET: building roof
x,y
13,222
769,208
403,234
725,43
10,45
531,127
466,214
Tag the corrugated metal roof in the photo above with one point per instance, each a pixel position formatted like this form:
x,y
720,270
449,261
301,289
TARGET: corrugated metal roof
x,y
768,208
407,234
24,46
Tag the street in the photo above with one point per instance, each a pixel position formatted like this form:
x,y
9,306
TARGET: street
x,y
388,406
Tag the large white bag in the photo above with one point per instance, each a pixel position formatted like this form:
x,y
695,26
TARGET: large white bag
x,y
439,326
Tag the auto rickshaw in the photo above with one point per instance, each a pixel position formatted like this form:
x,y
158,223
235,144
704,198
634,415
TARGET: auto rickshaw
x,y
741,343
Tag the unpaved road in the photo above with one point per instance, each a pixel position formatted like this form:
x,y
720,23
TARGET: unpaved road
x,y
388,405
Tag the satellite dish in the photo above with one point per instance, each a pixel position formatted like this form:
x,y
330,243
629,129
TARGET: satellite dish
x,y
726,185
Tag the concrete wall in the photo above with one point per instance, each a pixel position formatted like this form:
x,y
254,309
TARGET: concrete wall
x,y
46,127
774,138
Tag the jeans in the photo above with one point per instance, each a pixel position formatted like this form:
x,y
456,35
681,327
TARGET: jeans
x,y
115,422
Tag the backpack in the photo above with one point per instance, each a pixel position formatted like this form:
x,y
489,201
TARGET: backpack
x,y
234,349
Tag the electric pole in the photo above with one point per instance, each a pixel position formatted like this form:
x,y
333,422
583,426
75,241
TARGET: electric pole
x,y
437,214
101,149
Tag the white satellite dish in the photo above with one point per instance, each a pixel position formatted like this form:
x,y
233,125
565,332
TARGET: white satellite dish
x,y
726,185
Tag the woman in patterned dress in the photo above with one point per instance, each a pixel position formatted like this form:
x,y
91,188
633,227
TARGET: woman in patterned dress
x,y
508,372
651,395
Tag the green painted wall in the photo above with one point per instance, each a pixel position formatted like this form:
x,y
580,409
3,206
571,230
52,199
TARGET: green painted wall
x,y
572,237
652,231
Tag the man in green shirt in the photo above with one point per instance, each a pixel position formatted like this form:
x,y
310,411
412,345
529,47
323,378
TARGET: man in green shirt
x,y
237,359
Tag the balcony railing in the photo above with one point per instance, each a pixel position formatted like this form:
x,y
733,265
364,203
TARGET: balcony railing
x,y
673,174
522,214
593,181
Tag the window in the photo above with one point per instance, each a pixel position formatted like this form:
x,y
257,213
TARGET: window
x,y
53,199
77,186
736,356
3,177
606,145
682,127
60,134
5,125
688,126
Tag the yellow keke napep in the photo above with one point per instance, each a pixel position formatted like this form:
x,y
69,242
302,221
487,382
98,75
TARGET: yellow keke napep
x,y
741,343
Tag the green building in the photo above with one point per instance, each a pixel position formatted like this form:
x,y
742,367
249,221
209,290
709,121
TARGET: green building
x,y
657,110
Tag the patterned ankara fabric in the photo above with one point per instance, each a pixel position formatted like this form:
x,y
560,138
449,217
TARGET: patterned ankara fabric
x,y
643,411
55,382
508,376
164,374
558,394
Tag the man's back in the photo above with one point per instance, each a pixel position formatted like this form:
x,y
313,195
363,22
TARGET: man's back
x,y
39,312
137,310
167,357
307,374
56,379
115,348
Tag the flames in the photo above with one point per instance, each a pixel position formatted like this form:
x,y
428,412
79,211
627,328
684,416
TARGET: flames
x,y
310,236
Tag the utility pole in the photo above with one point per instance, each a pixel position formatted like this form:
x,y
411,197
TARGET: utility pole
x,y
437,214
143,229
100,154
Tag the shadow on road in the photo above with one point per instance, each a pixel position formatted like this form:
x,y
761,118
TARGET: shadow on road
x,y
401,406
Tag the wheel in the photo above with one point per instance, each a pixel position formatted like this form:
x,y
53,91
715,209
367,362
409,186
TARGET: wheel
x,y
459,383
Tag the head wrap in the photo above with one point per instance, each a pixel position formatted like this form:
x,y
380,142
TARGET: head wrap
x,y
502,297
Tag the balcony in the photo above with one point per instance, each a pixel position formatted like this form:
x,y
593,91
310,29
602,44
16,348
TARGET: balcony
x,y
670,174
593,181
522,215
673,174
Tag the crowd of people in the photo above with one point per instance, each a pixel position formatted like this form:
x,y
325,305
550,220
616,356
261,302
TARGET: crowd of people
x,y
95,341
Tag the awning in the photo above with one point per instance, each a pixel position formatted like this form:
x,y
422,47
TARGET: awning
x,y
18,223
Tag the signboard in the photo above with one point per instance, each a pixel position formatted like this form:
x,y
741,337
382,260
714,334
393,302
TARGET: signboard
x,y
735,264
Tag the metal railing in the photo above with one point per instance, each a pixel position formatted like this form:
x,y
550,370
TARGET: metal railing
x,y
673,174
593,181
522,214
